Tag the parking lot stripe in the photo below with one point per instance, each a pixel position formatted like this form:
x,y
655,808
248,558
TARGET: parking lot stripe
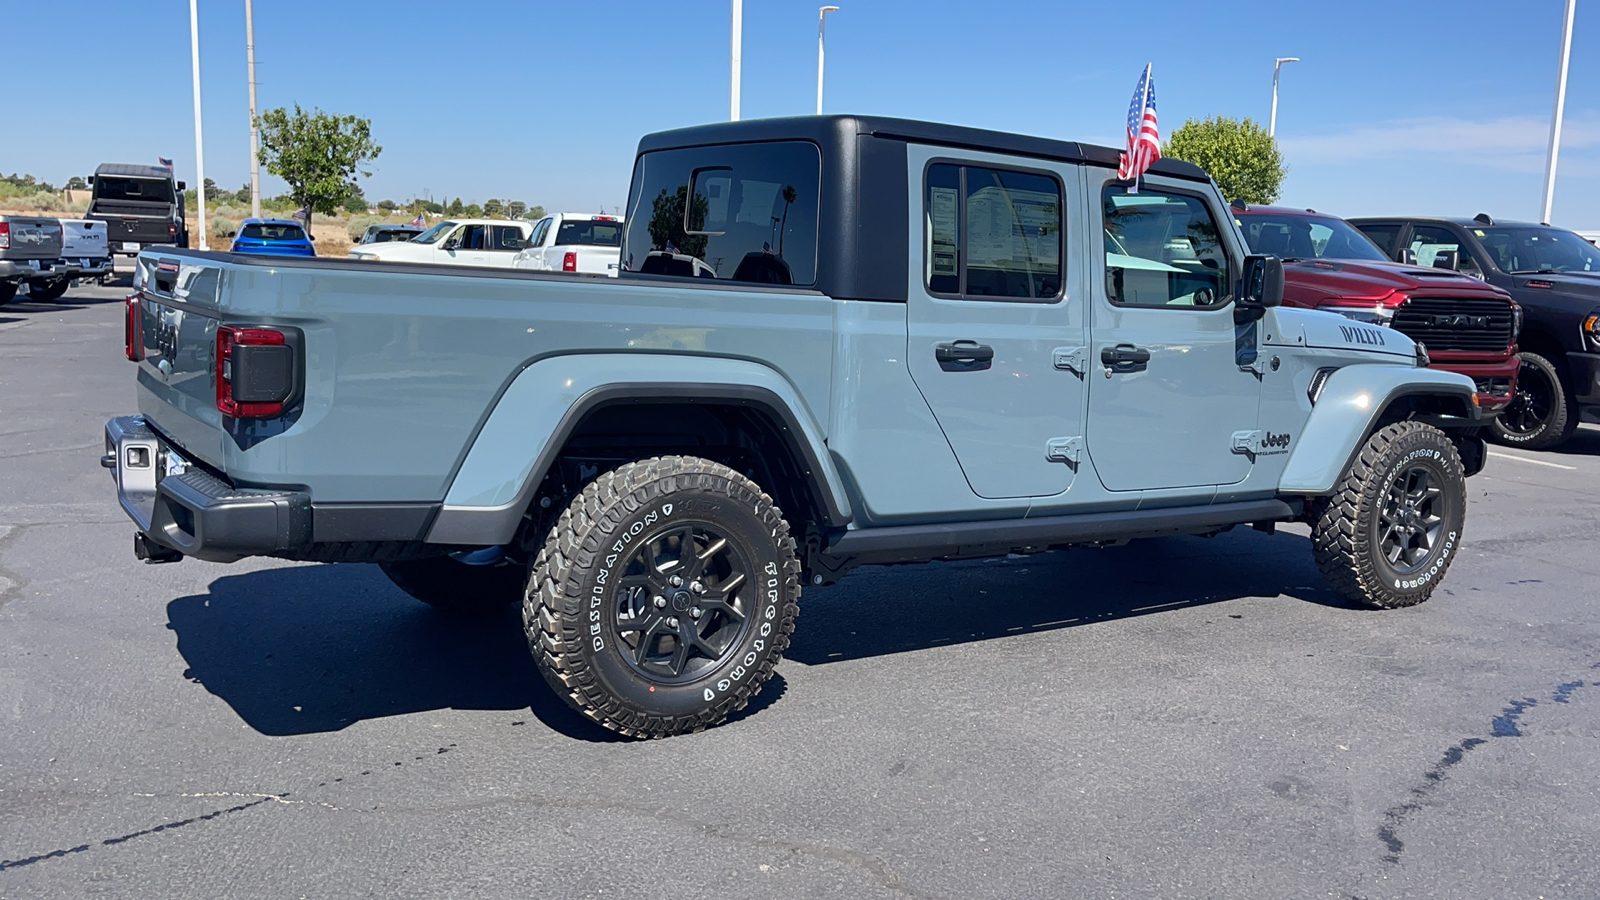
x,y
1537,462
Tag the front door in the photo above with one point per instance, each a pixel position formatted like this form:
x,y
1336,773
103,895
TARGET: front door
x,y
468,246
1167,394
991,310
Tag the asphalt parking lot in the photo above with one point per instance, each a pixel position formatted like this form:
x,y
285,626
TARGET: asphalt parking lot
x,y
1175,718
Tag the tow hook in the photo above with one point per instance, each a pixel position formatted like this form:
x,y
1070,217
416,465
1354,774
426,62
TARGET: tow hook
x,y
151,552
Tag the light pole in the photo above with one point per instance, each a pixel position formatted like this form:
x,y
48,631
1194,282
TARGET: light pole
x,y
255,133
733,54
1272,123
822,21
1555,120
199,148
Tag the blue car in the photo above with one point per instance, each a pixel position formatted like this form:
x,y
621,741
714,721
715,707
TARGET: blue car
x,y
273,237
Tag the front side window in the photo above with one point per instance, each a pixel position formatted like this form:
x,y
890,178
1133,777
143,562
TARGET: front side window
x,y
992,233
1439,248
1307,237
1163,249
742,212
470,237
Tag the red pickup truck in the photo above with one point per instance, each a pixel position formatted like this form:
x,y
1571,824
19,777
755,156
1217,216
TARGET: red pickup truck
x,y
1468,326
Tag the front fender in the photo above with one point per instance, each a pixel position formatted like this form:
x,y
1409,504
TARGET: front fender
x,y
519,441
1347,409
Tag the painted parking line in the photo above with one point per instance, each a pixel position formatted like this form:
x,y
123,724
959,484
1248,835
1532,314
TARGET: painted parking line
x,y
1536,462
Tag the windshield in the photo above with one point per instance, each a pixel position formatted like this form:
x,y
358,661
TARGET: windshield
x,y
594,232
393,234
271,231
432,234
1533,250
149,190
1307,237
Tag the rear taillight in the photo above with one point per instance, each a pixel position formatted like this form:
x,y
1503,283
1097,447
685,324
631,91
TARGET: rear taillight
x,y
5,235
569,262
255,372
133,327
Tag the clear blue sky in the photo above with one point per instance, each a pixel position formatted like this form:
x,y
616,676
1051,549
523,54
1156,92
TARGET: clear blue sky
x,y
1397,107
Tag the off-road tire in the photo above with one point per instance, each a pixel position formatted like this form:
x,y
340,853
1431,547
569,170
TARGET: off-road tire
x,y
1348,534
589,569
46,291
456,588
1555,426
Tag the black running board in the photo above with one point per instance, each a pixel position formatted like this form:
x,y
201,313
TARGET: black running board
x,y
966,540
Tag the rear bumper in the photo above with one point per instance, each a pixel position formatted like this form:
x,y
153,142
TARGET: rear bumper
x,y
24,269
192,512
77,267
1585,371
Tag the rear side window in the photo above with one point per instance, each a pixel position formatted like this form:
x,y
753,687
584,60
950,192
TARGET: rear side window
x,y
269,232
993,233
1163,249
741,212
593,232
505,237
1382,235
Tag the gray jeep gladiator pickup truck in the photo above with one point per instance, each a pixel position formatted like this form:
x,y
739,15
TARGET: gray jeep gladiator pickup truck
x,y
835,341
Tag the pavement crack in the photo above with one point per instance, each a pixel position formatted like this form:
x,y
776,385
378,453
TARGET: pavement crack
x,y
1507,724
8,864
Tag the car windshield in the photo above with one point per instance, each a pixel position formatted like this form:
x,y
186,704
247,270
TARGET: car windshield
x,y
590,231
1307,237
272,231
149,190
432,234
398,234
1532,250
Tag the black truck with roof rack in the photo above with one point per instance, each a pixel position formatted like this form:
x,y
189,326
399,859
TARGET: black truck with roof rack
x,y
142,206
1554,275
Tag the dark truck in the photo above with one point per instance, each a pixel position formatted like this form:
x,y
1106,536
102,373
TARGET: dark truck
x,y
30,247
898,342
1466,325
142,206
1554,275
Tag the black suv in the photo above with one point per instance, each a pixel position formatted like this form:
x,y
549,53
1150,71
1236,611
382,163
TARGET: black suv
x,y
1555,276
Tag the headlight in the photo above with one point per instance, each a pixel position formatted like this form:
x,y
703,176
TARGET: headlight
x,y
1375,314
1516,320
1591,330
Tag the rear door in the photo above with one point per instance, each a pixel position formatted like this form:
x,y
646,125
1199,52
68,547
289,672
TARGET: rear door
x,y
994,317
1168,392
505,241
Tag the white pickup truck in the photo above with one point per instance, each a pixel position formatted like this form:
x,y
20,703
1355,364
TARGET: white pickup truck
x,y
460,242
574,242
85,253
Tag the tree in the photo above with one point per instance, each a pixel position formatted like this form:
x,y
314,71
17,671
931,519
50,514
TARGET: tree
x,y
493,208
388,206
356,200
212,191
473,211
317,153
516,209
1238,155
534,213
242,195
456,209
76,183
432,207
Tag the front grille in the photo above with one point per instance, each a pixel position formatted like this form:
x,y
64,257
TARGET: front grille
x,y
1456,323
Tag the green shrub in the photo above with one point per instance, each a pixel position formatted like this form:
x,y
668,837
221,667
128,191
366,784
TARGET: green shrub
x,y
358,225
221,226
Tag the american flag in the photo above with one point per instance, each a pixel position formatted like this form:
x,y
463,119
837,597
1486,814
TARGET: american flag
x,y
419,221
164,163
1144,138
303,213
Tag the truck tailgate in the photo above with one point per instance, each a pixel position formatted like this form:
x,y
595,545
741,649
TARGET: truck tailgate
x,y
178,307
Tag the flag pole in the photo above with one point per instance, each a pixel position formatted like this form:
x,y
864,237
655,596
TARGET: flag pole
x,y
199,146
1144,107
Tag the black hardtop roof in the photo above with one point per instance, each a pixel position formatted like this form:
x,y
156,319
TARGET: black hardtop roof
x,y
132,170
825,130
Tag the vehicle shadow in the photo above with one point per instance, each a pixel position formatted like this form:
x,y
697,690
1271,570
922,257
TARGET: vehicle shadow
x,y
878,611
1584,442
317,648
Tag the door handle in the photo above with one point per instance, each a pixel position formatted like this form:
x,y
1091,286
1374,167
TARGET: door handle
x,y
1125,358
963,356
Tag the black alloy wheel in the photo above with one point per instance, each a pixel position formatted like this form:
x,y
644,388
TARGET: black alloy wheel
x,y
1540,414
681,606
1412,520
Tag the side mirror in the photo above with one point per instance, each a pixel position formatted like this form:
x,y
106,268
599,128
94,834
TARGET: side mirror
x,y
1406,255
182,186
311,237
1446,259
1262,285
452,244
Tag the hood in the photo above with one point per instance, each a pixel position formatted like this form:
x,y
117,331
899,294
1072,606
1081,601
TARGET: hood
x,y
1584,286
1329,278
1331,331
